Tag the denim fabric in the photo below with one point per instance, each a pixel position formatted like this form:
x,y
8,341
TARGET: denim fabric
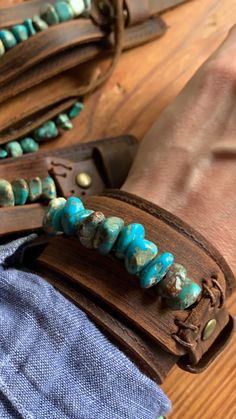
x,y
56,364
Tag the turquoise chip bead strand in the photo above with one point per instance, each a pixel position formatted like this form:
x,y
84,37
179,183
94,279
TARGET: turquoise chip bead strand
x,y
108,235
8,39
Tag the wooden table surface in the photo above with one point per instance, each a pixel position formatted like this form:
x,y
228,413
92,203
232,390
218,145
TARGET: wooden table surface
x,y
144,82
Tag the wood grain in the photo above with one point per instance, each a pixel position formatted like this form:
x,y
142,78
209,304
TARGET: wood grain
x,y
144,82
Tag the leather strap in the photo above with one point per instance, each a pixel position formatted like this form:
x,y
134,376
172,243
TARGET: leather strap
x,y
63,165
177,332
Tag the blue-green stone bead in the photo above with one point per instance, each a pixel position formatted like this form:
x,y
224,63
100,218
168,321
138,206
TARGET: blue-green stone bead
x,y
75,110
46,132
78,6
48,188
64,122
3,153
8,39
49,14
2,48
20,32
29,145
64,11
53,207
188,295
87,228
127,235
39,24
6,194
35,189
156,270
107,234
73,206
139,253
20,190
173,282
30,27
14,149
70,224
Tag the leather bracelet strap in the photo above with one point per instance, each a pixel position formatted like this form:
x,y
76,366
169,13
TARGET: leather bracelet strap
x,y
180,333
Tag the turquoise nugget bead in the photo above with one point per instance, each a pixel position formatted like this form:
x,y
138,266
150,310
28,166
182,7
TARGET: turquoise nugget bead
x,y
20,190
173,282
78,6
139,253
6,194
48,188
187,296
35,189
75,110
30,27
70,225
3,153
127,235
46,132
87,228
49,14
53,207
64,122
156,270
72,207
29,145
107,234
14,149
8,39
20,32
64,11
2,48
39,24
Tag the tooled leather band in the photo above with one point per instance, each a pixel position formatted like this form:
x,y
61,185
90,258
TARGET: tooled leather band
x,y
179,333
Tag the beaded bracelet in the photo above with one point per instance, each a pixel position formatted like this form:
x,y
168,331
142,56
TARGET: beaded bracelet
x,y
48,131
110,235
21,191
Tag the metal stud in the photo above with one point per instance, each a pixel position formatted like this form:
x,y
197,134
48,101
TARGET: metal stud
x,y
209,329
83,180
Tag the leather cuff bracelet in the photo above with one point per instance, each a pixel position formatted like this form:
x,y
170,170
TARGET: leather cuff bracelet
x,y
154,335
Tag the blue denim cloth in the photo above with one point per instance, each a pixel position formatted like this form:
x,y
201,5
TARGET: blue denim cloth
x,y
56,364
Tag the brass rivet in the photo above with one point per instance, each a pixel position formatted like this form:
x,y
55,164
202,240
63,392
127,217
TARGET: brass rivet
x,y
83,180
209,329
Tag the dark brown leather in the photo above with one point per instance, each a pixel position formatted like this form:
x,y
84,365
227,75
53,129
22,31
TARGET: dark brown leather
x,y
63,165
104,279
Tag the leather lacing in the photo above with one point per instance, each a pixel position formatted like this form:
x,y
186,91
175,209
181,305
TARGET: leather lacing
x,y
192,327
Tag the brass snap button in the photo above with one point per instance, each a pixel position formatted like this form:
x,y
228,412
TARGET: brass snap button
x,y
209,329
83,180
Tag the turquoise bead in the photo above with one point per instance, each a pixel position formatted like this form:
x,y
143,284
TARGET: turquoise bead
x,y
3,153
107,234
6,194
139,253
156,270
39,24
53,207
20,190
75,110
127,235
30,27
188,295
77,6
20,32
64,11
29,145
46,132
2,48
64,122
173,282
49,14
48,188
35,189
8,39
70,224
14,149
73,206
87,228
